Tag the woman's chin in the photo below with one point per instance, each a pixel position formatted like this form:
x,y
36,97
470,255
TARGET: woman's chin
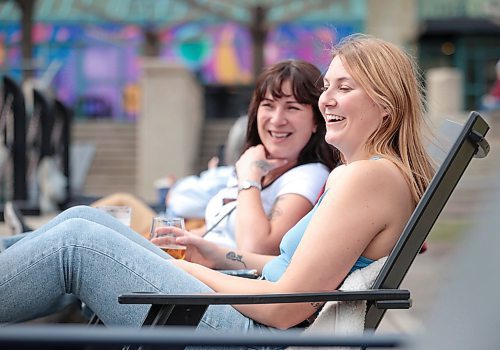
x,y
331,140
278,155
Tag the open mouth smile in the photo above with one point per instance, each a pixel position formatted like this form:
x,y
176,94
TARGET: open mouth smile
x,y
333,118
279,135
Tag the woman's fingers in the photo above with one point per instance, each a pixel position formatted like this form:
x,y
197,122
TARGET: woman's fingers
x,y
176,231
253,163
174,235
189,240
164,240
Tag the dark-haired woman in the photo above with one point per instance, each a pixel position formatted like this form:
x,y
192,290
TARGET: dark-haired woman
x,y
283,167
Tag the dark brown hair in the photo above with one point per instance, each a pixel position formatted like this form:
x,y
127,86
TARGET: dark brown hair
x,y
306,82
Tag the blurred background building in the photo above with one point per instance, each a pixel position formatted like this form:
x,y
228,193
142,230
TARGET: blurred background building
x,y
96,56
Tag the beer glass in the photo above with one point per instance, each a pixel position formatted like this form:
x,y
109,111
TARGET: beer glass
x,y
177,251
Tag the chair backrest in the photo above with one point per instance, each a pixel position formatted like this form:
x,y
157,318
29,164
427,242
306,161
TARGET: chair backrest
x,y
470,142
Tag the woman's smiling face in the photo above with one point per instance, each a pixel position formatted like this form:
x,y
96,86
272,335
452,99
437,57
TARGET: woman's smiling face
x,y
351,116
284,125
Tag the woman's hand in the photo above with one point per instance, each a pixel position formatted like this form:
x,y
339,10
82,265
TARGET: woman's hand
x,y
253,164
198,250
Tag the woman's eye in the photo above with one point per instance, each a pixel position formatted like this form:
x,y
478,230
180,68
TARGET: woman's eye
x,y
344,88
324,88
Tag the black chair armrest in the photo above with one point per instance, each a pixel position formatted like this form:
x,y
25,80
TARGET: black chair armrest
x,y
188,309
398,296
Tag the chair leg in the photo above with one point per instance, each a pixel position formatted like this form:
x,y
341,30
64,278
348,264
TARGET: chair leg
x,y
95,320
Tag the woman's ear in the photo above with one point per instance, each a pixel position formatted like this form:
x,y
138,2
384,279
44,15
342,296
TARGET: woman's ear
x,y
385,112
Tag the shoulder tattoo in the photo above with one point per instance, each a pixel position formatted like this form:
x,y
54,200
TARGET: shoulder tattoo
x,y
235,257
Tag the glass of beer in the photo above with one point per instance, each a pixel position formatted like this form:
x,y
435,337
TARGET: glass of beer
x,y
120,213
177,251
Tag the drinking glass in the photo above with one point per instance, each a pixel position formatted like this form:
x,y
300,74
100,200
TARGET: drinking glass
x,y
120,213
177,251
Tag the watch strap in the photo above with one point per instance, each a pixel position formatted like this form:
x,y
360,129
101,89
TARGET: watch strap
x,y
247,184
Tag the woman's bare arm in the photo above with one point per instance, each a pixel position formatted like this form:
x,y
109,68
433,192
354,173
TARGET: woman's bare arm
x,y
211,255
259,233
255,231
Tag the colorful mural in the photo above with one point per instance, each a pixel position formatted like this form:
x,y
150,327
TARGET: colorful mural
x,y
95,68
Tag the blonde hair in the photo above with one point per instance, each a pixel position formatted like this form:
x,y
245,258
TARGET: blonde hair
x,y
390,77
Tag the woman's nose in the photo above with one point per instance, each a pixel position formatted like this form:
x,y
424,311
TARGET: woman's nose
x,y
279,116
327,99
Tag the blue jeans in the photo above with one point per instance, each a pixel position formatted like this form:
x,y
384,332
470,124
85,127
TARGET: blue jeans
x,y
87,253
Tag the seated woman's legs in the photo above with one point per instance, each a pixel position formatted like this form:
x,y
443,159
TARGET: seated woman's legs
x,y
142,214
92,215
96,264
84,212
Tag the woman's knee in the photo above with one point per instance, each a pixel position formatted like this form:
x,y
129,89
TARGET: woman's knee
x,y
79,211
80,228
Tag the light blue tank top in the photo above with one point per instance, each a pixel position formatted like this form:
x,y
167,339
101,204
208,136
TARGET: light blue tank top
x,y
275,268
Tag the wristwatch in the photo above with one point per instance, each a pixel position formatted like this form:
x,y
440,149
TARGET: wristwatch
x,y
246,184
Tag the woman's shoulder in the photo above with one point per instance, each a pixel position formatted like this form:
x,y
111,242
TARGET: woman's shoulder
x,y
368,174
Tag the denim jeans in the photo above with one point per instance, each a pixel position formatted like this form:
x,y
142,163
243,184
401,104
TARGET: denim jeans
x,y
7,241
87,253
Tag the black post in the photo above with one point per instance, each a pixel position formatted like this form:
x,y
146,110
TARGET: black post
x,y
258,30
64,115
18,147
27,9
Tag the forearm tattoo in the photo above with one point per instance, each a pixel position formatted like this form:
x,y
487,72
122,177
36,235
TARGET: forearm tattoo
x,y
275,210
262,164
317,305
235,257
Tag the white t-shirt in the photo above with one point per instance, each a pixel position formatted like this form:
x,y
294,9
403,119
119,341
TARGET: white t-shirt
x,y
306,180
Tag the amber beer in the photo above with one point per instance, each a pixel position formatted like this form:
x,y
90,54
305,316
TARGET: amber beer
x,y
175,251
